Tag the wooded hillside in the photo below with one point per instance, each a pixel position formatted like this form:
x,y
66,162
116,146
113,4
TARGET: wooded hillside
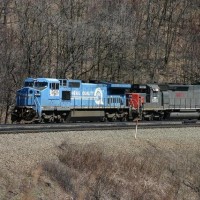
x,y
115,40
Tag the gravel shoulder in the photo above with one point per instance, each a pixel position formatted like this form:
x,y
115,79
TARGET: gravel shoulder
x,y
22,153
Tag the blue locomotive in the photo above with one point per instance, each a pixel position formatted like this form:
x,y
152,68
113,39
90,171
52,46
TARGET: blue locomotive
x,y
58,100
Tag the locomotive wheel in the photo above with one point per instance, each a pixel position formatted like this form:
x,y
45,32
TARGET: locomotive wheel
x,y
46,120
51,119
123,119
67,118
28,116
114,118
104,119
150,118
60,120
161,118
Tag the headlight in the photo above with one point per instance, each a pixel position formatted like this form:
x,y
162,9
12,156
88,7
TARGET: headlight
x,y
37,94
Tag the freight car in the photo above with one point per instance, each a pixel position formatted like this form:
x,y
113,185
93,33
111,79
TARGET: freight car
x,y
168,101
58,100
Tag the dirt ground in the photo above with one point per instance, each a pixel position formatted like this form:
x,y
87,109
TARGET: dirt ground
x,y
23,154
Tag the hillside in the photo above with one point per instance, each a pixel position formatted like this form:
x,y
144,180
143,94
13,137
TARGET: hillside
x,y
160,164
123,41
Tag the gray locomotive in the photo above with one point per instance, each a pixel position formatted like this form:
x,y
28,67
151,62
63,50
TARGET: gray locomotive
x,y
168,101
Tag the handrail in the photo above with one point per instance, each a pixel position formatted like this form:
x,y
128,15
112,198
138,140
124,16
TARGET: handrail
x,y
37,104
90,103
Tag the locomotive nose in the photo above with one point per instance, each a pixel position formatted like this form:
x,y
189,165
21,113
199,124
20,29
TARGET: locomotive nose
x,y
25,97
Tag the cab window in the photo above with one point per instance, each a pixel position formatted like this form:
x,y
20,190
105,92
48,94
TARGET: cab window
x,y
74,84
41,84
63,83
155,94
28,84
54,86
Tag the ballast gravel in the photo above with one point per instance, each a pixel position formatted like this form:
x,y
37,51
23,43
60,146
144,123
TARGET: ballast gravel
x,y
19,153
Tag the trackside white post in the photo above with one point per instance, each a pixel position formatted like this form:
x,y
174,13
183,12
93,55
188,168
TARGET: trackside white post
x,y
136,129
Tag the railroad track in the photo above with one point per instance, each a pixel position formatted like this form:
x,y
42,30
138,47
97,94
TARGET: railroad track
x,y
36,128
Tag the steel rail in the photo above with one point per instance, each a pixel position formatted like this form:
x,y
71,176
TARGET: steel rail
x,y
37,128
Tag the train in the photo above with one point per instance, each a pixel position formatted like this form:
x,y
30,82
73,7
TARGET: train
x,y
48,100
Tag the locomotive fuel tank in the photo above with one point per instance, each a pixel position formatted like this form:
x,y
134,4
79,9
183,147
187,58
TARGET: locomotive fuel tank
x,y
184,115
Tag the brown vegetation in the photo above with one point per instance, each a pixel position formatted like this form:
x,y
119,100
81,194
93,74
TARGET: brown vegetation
x,y
160,164
125,41
86,173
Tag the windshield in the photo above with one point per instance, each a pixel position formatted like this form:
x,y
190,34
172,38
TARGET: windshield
x,y
28,84
155,94
40,85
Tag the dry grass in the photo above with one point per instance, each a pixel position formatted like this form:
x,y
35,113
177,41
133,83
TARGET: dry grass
x,y
85,172
109,167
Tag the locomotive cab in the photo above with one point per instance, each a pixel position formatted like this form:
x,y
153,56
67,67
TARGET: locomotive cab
x,y
152,95
28,100
25,102
152,100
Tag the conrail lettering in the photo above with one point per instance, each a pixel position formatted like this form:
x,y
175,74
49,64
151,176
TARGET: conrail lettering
x,y
180,94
